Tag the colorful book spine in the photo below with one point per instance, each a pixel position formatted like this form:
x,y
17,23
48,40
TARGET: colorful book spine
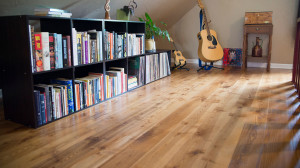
x,y
52,51
79,48
38,52
45,50
55,49
86,53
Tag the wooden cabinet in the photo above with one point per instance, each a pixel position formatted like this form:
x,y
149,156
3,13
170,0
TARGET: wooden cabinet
x,y
257,29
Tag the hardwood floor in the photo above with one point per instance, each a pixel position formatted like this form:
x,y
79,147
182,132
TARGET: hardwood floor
x,y
207,119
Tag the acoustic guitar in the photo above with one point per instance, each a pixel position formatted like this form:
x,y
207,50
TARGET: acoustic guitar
x,y
209,48
179,58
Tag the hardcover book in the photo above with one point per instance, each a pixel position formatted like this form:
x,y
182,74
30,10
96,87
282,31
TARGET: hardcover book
x,y
52,50
38,52
45,49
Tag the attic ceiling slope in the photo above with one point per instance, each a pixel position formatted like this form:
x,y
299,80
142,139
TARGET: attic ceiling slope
x,y
169,11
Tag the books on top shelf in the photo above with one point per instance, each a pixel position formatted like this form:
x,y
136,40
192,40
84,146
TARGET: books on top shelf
x,y
87,47
49,50
89,90
53,101
116,82
121,45
52,12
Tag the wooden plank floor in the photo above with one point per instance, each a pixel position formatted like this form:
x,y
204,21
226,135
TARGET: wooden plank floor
x,y
207,119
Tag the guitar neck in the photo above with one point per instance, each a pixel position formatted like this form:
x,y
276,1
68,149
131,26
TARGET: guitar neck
x,y
174,45
205,22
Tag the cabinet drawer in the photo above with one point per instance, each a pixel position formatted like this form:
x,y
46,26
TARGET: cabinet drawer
x,y
258,29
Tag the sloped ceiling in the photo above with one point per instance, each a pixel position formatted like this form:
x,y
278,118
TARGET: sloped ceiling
x,y
169,11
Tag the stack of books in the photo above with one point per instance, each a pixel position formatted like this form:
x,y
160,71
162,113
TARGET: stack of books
x,y
52,12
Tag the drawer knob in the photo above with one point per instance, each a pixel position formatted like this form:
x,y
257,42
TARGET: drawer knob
x,y
257,29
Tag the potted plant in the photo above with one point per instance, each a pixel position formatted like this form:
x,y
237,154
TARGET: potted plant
x,y
153,30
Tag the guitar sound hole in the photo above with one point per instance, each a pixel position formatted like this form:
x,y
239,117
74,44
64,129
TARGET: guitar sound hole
x,y
178,54
209,38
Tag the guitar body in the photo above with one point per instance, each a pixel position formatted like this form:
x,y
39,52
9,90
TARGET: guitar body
x,y
179,59
209,48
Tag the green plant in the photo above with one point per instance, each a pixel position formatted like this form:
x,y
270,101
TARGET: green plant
x,y
153,30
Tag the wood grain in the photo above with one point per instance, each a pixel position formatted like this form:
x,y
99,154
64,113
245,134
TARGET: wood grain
x,y
208,119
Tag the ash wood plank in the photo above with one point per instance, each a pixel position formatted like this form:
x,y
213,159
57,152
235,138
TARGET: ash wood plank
x,y
189,119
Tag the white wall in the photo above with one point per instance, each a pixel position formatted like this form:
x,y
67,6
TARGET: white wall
x,y
227,20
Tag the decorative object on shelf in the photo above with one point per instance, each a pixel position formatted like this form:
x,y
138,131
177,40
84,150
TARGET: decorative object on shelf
x,y
153,30
127,11
232,57
258,17
257,49
107,9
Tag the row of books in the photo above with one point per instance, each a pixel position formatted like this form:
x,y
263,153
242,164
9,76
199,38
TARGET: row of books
x,y
120,45
49,50
136,44
53,101
116,82
87,46
89,90
157,66
52,12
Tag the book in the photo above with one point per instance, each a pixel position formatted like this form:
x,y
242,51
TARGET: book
x,y
32,48
65,51
59,61
42,103
37,104
45,50
52,51
79,43
69,50
38,52
74,46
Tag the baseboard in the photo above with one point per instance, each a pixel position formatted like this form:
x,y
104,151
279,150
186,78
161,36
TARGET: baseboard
x,y
250,64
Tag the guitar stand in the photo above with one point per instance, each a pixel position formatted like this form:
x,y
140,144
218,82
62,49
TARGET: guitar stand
x,y
181,67
208,67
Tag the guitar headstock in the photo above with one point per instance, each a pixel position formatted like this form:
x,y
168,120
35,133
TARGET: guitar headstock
x,y
200,4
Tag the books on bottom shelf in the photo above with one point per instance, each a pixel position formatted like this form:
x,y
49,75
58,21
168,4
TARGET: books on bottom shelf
x,y
116,82
49,50
89,90
53,101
